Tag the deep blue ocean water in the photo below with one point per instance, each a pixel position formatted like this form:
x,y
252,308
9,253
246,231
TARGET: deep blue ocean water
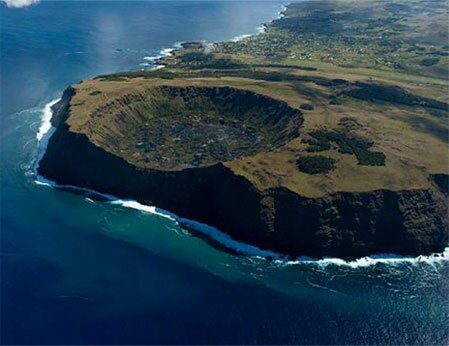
x,y
74,271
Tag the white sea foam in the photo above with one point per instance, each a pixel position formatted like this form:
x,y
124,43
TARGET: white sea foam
x,y
150,58
240,37
167,51
43,136
251,250
164,52
281,12
129,203
372,260
261,29
46,118
207,230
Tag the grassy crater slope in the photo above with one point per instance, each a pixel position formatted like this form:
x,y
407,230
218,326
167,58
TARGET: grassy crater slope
x,y
222,136
177,127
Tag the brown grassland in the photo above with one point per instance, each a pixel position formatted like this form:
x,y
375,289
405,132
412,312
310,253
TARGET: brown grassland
x,y
412,136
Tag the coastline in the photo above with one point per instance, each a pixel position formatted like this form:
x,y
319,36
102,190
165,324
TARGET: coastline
x,y
109,195
46,130
152,62
163,53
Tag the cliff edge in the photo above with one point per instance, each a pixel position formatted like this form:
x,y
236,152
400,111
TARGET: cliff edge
x,y
183,145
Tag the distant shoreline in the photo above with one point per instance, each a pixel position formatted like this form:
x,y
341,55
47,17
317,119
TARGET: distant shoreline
x,y
157,60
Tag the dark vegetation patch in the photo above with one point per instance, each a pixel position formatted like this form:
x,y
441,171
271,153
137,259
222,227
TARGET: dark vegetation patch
x,y
349,123
438,113
439,53
194,57
429,61
315,164
392,94
193,45
334,101
316,145
339,82
442,181
222,64
344,120
307,107
95,92
199,60
347,144
318,22
113,77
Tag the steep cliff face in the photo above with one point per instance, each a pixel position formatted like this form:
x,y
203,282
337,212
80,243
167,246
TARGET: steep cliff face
x,y
357,224
342,224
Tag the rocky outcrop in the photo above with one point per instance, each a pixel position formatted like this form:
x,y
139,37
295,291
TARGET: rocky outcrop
x,y
344,224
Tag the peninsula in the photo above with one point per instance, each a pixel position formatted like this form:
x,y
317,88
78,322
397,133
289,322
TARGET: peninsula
x,y
326,135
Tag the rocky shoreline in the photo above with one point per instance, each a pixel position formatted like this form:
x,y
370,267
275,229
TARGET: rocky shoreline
x,y
346,224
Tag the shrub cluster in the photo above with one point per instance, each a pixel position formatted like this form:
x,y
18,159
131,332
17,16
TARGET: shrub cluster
x,y
322,139
429,61
315,164
306,107
393,94
198,60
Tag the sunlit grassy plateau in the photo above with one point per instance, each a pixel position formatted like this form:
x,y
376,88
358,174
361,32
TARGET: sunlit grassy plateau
x,y
368,84
336,96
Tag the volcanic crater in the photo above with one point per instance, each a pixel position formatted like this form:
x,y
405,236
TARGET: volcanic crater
x,y
173,128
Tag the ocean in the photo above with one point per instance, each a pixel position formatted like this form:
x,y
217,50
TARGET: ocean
x,y
76,270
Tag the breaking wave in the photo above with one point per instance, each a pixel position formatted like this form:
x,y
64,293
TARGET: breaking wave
x,y
151,61
372,260
45,120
